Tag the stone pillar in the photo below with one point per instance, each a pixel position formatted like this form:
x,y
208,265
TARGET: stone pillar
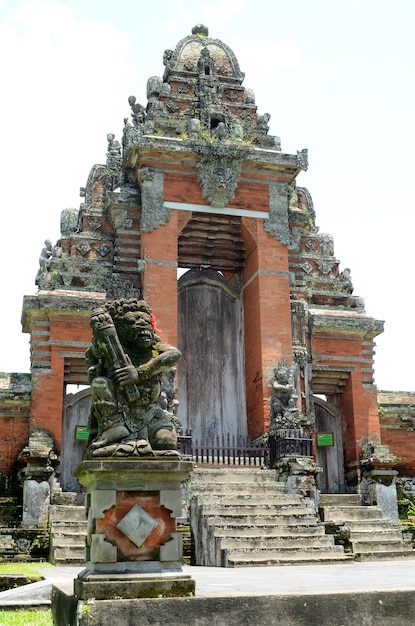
x,y
133,549
38,456
378,481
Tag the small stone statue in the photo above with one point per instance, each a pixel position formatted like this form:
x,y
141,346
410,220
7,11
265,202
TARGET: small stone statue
x,y
42,277
284,411
138,112
125,364
346,280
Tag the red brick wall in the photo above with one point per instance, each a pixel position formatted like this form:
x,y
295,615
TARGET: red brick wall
x,y
267,317
358,403
69,334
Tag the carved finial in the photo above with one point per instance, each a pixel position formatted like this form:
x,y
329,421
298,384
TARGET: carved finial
x,y
302,159
201,30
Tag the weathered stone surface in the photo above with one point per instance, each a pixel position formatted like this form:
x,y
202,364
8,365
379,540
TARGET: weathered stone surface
x,y
385,608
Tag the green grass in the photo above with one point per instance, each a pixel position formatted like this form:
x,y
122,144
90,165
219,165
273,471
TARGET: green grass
x,y
26,618
27,569
22,617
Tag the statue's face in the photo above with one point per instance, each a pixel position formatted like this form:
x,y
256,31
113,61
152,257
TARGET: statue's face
x,y
137,329
282,375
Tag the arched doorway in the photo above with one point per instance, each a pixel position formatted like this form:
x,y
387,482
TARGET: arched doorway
x,y
75,414
211,372
329,449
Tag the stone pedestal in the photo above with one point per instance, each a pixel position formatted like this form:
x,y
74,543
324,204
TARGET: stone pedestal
x,y
378,487
133,549
299,475
378,482
39,457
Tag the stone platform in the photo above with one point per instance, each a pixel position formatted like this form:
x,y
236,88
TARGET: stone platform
x,y
312,595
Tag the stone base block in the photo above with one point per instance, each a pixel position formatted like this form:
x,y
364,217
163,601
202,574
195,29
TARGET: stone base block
x,y
383,608
110,586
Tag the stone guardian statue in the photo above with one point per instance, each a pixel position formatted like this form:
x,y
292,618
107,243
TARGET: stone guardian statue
x,y
125,364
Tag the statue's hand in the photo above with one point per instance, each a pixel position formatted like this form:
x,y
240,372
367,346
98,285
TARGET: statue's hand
x,y
126,376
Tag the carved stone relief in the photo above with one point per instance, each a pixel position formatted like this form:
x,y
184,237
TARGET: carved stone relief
x,y
153,213
277,223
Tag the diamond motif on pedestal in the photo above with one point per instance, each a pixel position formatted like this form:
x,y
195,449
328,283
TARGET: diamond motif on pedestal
x,y
137,525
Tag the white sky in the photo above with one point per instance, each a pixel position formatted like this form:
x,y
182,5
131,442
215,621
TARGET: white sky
x,y
337,77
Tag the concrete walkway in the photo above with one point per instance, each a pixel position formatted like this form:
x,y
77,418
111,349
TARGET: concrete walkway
x,y
398,575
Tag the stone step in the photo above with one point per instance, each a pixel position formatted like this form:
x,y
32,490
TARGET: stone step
x,y
68,555
386,555
281,543
296,531
346,513
235,475
68,498
235,499
378,546
66,512
299,558
260,520
247,510
64,539
372,525
385,534
69,528
340,499
230,487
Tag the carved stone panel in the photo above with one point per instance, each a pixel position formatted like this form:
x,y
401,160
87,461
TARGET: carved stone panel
x,y
277,223
153,213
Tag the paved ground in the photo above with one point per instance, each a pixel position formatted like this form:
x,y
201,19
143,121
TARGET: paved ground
x,y
221,582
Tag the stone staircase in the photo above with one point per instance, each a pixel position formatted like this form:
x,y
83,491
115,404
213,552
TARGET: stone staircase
x,y
243,518
68,528
363,530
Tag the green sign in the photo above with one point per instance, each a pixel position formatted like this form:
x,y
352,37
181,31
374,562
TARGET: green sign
x,y
325,439
81,432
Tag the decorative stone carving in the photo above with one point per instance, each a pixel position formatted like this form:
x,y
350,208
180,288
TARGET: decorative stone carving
x,y
263,123
94,224
326,245
277,223
168,397
103,249
249,96
127,418
218,173
47,277
326,265
114,162
122,287
96,187
83,248
201,30
153,212
138,112
172,106
306,267
302,159
284,410
154,84
346,280
69,222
